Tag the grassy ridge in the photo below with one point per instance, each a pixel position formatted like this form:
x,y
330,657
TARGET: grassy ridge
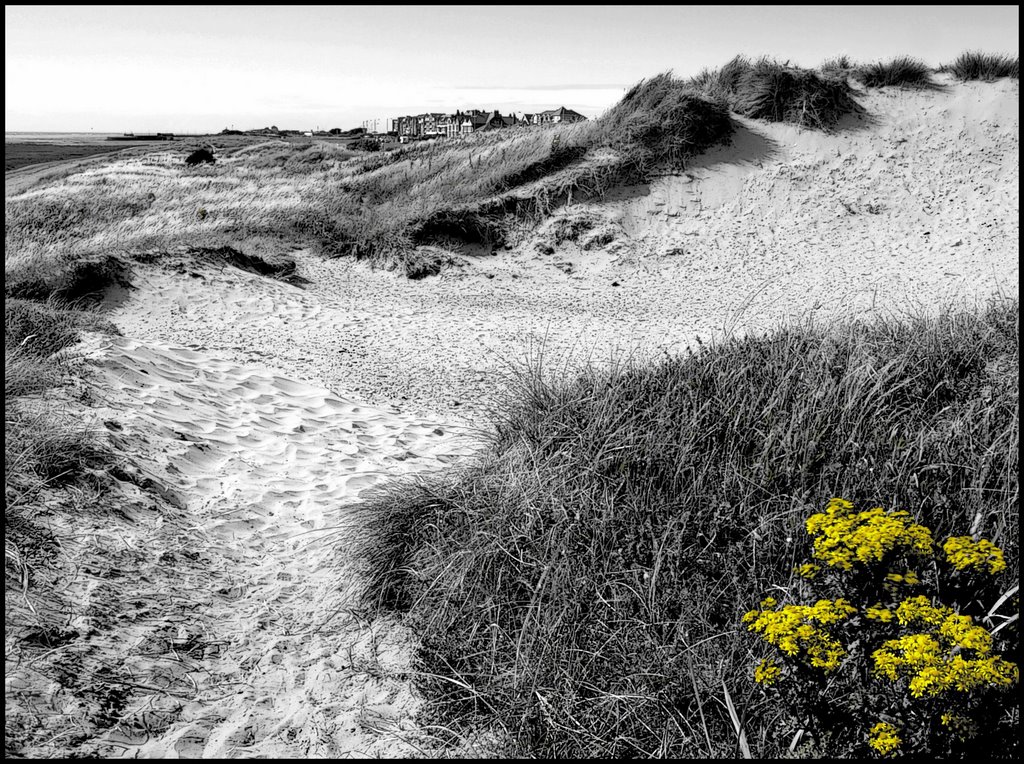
x,y
581,587
383,206
262,199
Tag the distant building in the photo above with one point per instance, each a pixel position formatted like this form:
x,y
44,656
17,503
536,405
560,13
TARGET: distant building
x,y
436,125
557,116
496,121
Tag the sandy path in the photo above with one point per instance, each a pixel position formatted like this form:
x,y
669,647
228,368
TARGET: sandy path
x,y
252,614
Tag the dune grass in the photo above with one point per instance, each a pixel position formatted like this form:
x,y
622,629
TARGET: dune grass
x,y
42,443
901,71
580,587
778,92
263,199
975,65
839,65
385,206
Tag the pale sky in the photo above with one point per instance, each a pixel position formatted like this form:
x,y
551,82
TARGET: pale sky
x,y
199,69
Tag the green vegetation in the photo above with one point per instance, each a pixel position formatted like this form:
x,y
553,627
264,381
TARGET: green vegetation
x,y
895,656
579,587
901,71
975,65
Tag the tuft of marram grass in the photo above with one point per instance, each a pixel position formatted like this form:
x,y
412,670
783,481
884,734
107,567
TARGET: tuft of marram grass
x,y
975,65
581,584
774,91
839,65
901,71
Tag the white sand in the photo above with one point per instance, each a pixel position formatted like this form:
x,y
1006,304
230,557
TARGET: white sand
x,y
223,386
246,645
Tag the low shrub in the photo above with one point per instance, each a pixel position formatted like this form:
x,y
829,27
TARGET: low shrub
x,y
662,120
68,279
838,65
365,144
902,650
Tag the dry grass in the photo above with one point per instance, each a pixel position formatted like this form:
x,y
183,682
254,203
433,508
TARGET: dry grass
x,y
581,586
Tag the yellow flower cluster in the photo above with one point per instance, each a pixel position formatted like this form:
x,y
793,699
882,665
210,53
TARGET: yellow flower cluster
x,y
964,553
884,738
808,570
767,672
792,629
843,537
878,613
919,611
935,668
909,578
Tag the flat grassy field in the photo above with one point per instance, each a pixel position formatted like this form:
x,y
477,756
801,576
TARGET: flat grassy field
x,y
18,155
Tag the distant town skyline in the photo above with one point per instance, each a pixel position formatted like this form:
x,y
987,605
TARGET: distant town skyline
x,y
202,69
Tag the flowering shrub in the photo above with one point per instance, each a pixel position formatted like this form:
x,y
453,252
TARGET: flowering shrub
x,y
905,657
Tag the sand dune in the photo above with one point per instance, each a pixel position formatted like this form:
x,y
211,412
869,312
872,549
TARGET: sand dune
x,y
913,207
260,410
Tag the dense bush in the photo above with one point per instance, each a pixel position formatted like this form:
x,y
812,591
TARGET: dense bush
x,y
890,641
365,144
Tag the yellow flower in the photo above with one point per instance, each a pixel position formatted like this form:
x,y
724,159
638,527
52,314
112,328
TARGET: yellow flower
x,y
795,630
878,613
919,610
843,538
808,570
884,738
767,672
963,727
960,631
982,556
934,668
